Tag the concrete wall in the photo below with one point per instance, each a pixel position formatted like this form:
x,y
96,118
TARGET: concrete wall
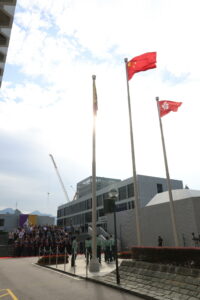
x,y
147,186
196,208
10,222
156,220
125,227
45,220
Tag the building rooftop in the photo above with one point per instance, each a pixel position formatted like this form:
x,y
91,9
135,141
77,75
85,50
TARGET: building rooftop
x,y
84,187
177,195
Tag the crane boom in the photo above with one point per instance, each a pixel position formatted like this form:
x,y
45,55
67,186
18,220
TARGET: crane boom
x,y
63,187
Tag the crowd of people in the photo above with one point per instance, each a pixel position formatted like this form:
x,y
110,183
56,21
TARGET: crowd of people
x,y
39,240
106,246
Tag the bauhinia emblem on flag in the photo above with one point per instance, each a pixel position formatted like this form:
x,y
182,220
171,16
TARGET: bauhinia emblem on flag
x,y
95,103
168,106
140,63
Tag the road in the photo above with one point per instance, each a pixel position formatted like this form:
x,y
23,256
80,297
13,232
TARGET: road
x,y
21,279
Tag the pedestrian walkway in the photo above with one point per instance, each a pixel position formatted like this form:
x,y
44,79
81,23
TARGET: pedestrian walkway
x,y
80,268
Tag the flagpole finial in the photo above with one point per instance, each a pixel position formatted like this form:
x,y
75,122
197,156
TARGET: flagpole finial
x,y
157,98
125,60
93,77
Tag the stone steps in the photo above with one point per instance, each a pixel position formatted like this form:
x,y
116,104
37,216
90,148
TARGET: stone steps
x,y
158,281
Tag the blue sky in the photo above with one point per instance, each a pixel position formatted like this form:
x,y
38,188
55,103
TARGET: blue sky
x,y
46,95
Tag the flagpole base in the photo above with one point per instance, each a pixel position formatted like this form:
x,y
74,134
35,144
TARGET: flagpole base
x,y
94,265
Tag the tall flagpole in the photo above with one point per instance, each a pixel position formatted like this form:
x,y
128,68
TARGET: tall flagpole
x,y
171,202
135,185
94,264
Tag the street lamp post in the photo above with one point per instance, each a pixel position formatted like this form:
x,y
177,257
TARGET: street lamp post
x,y
113,194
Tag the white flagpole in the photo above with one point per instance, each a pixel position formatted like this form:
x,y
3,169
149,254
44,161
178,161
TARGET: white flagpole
x,y
135,185
171,202
94,264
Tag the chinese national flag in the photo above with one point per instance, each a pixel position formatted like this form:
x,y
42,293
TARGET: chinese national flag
x,y
168,106
140,63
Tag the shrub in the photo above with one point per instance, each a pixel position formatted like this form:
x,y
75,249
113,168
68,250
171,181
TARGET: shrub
x,y
46,260
125,255
168,255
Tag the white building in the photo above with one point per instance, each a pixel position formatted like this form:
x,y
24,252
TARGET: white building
x,y
156,220
78,213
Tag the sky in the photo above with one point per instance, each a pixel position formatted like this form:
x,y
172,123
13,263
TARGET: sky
x,y
46,95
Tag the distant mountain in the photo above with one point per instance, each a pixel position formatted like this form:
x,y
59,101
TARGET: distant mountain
x,y
12,211
7,211
38,213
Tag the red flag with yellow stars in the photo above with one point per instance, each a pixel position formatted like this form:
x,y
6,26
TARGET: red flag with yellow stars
x,y
168,106
140,63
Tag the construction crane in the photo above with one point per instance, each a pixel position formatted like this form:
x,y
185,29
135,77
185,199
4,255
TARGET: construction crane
x,y
63,187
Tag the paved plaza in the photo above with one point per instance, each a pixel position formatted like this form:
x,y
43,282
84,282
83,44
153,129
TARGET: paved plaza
x,y
82,270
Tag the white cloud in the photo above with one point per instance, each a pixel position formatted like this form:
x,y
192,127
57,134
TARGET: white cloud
x,y
56,46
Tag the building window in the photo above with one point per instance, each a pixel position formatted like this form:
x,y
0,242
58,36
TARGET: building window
x,y
59,213
130,190
59,222
159,188
121,207
1,222
131,205
88,217
89,204
122,193
99,200
105,196
101,212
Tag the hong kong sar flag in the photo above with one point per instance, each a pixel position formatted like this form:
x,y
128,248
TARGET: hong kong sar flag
x,y
168,106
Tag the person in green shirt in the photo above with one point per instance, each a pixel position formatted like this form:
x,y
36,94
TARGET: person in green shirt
x,y
74,251
99,246
112,252
88,249
107,249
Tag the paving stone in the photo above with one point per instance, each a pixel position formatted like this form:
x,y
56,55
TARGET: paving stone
x,y
150,279
185,297
160,293
181,297
193,293
180,284
174,296
183,291
189,280
129,286
175,289
177,277
153,289
166,291
195,272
